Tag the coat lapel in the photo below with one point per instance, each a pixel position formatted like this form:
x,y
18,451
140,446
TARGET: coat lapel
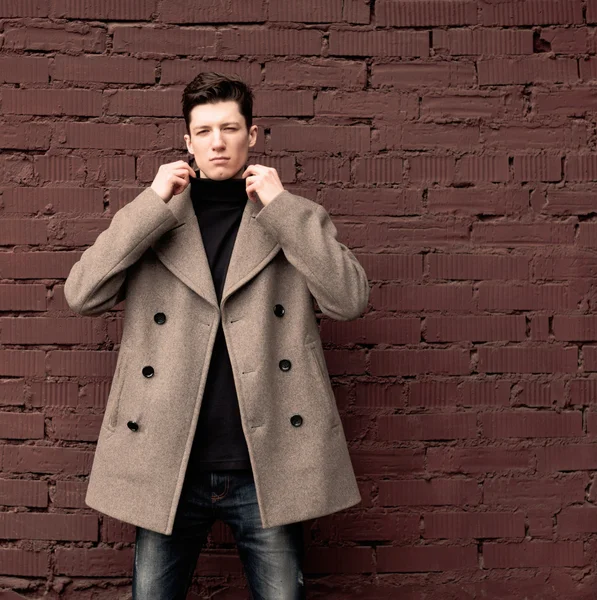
x,y
253,250
181,250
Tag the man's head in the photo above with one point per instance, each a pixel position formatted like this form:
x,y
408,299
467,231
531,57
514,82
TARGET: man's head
x,y
218,112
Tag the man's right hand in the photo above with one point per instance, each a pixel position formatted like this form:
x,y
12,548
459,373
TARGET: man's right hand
x,y
172,179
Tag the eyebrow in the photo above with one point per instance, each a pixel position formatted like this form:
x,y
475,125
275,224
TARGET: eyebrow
x,y
223,125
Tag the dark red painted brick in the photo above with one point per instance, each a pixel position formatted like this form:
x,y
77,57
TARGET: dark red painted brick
x,y
24,563
39,526
527,297
462,525
414,362
44,459
478,460
94,562
432,169
98,9
272,41
179,11
569,457
471,266
379,43
417,298
431,492
12,393
532,12
158,40
539,393
532,424
535,359
467,41
15,232
23,492
340,560
75,427
533,554
24,69
577,519
478,201
427,427
47,37
70,494
426,558
103,69
309,11
420,74
383,462
475,329
180,71
52,102
533,492
331,73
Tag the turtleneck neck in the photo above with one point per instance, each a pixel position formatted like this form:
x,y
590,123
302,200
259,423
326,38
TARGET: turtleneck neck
x,y
221,191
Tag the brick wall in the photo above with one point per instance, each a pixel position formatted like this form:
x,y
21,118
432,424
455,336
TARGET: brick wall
x,y
454,144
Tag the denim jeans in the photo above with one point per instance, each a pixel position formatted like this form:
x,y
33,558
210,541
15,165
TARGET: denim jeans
x,y
271,557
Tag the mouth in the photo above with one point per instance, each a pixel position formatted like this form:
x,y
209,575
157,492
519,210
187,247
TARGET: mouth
x,y
220,160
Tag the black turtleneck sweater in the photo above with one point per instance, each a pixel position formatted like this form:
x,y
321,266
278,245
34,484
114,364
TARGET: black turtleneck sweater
x,y
219,441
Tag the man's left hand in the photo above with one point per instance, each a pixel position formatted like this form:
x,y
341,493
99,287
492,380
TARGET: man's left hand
x,y
263,183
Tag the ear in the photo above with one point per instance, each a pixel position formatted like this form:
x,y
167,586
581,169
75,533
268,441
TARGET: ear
x,y
187,139
253,135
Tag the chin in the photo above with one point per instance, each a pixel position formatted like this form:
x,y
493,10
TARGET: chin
x,y
220,173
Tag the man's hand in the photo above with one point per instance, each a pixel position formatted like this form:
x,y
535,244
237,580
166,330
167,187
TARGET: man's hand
x,y
262,181
172,179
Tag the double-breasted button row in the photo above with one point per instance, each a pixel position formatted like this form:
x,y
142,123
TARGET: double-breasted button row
x,y
148,371
285,365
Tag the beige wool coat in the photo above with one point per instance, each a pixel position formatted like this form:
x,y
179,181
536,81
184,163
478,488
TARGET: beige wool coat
x,y
285,254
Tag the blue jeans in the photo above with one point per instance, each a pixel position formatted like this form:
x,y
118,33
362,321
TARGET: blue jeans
x,y
271,557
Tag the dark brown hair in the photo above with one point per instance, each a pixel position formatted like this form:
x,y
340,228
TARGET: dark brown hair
x,y
211,87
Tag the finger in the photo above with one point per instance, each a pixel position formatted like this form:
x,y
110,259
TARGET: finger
x,y
181,173
179,185
178,164
254,169
190,170
252,192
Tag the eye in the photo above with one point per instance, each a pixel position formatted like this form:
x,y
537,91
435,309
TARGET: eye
x,y
230,128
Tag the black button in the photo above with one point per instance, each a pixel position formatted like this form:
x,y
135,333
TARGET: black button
x,y
132,426
279,310
285,365
296,420
147,371
159,318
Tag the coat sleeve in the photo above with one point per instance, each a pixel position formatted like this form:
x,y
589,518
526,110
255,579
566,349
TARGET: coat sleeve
x,y
96,282
307,235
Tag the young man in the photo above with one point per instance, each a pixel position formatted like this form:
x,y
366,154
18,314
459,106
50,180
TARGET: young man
x,y
221,406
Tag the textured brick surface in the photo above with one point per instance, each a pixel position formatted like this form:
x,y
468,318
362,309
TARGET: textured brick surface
x,y
453,143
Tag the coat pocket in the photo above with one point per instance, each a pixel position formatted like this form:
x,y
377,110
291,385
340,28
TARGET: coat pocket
x,y
113,403
329,398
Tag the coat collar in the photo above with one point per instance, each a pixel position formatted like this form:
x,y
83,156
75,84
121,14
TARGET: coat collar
x,y
182,251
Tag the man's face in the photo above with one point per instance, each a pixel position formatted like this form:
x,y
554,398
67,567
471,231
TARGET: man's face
x,y
219,131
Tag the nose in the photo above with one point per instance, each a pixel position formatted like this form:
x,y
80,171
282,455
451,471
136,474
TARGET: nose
x,y
217,140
